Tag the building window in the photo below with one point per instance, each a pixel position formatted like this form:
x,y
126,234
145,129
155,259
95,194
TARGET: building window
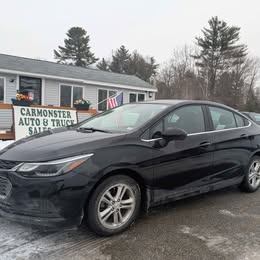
x,y
103,95
65,96
134,97
32,87
69,94
141,97
2,90
77,93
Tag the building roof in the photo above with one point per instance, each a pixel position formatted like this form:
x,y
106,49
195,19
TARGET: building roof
x,y
21,65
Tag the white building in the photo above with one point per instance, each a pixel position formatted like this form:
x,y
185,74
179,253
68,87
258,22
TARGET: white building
x,y
60,85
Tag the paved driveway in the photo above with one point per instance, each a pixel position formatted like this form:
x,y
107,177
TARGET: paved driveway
x,y
220,225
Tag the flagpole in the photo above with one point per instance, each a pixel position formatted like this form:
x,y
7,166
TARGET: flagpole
x,y
107,99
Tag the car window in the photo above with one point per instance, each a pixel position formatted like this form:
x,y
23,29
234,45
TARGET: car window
x,y
255,117
173,118
188,118
222,118
247,122
239,120
156,131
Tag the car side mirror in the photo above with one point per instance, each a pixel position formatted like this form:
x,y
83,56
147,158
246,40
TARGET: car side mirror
x,y
171,134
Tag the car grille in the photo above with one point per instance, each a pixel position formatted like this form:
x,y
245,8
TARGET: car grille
x,y
7,165
5,187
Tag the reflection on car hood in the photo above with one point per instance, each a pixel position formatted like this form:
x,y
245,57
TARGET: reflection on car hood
x,y
51,145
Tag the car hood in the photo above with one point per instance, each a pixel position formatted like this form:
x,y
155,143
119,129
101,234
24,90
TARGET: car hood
x,y
56,144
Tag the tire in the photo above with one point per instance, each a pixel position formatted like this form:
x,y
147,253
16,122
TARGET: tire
x,y
251,182
109,215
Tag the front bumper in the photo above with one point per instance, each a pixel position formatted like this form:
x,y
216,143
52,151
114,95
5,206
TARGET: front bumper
x,y
47,202
47,222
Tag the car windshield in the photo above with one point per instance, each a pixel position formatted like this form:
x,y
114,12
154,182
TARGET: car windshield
x,y
125,118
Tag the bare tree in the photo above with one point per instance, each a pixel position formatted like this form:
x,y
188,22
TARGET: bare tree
x,y
252,76
165,81
181,78
178,78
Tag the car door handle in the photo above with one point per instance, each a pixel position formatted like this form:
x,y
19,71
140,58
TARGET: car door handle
x,y
244,136
205,144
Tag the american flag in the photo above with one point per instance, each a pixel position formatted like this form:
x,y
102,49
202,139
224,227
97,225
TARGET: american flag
x,y
115,101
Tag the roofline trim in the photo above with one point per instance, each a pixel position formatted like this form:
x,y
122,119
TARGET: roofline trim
x,y
99,83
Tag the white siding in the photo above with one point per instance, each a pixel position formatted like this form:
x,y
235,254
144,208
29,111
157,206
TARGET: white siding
x,y
51,92
6,116
10,87
126,96
126,93
147,98
152,94
90,93
83,116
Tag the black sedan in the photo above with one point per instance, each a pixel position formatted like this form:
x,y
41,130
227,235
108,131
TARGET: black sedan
x,y
111,166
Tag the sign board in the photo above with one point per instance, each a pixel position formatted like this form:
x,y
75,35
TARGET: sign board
x,y
33,120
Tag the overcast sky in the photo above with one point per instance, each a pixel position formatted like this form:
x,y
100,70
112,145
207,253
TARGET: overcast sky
x,y
33,28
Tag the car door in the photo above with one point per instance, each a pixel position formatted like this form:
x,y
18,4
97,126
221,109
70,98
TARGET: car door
x,y
182,167
232,146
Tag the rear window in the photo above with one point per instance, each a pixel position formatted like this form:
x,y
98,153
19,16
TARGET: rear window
x,y
222,118
239,120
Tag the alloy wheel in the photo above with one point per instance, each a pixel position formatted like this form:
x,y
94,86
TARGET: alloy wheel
x,y
254,174
116,206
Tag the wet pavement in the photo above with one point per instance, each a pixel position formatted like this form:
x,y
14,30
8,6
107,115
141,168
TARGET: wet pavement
x,y
220,225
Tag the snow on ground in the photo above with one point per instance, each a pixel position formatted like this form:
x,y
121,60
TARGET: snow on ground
x,y
3,144
21,242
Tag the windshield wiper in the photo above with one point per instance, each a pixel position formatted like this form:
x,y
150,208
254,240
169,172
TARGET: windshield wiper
x,y
92,129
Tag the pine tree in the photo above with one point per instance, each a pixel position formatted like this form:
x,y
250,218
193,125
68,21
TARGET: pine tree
x,y
76,50
219,51
141,67
131,64
120,60
103,65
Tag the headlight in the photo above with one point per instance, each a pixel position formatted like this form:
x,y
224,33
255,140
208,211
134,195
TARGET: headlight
x,y
51,168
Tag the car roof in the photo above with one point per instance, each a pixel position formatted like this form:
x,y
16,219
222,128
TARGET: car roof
x,y
173,102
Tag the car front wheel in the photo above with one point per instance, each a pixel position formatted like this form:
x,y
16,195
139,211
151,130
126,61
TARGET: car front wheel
x,y
114,205
251,181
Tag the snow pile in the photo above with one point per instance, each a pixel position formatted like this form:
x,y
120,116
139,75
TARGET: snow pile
x,y
3,144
